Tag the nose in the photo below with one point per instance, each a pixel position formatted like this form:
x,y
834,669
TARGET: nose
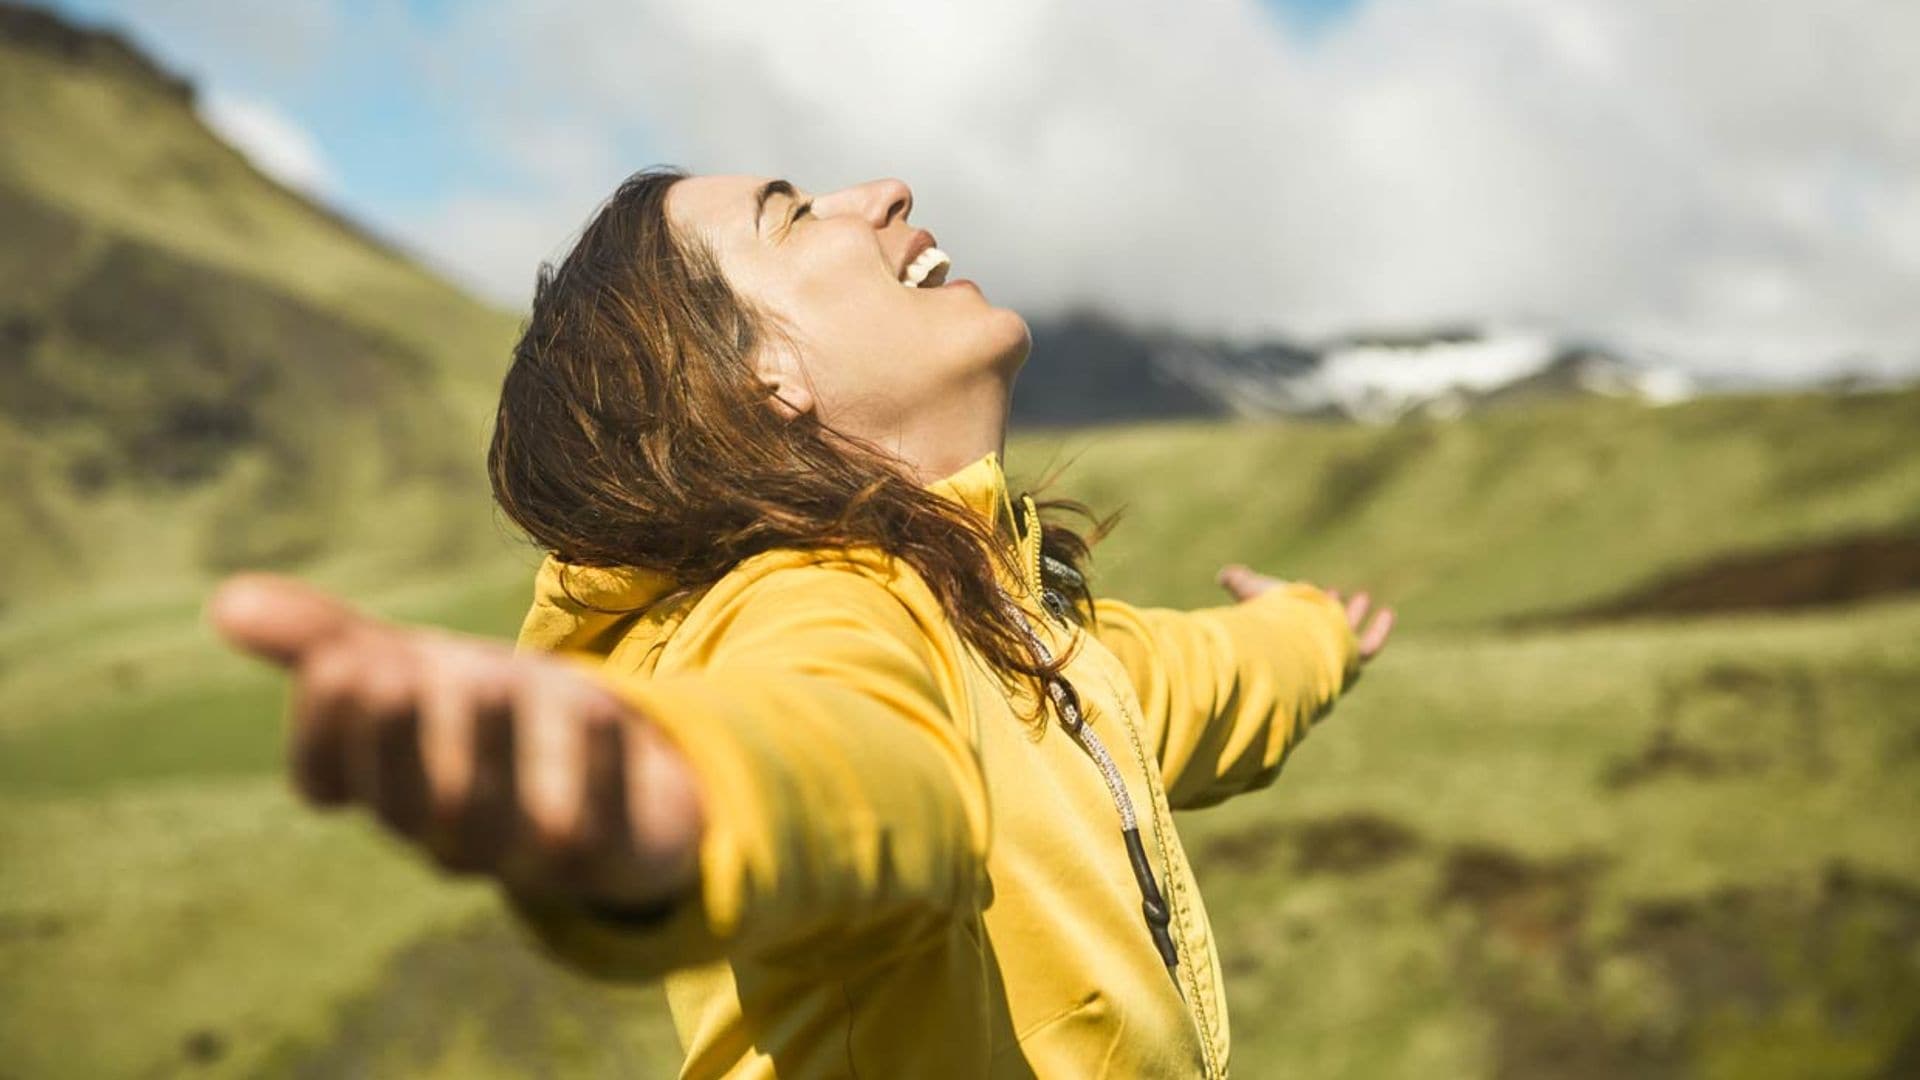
x,y
877,201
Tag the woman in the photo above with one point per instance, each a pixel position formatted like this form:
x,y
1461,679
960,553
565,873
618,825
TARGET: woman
x,y
811,714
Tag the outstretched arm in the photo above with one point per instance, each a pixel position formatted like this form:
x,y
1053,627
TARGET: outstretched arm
x,y
519,767
793,784
1228,691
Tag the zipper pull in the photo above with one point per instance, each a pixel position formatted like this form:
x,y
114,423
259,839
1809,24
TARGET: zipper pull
x,y
1152,904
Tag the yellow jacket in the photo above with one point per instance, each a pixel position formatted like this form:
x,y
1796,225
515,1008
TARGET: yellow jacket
x,y
900,876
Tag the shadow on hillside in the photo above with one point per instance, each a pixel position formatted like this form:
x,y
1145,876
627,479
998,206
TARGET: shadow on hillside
x,y
479,993
1830,573
1789,969
1816,971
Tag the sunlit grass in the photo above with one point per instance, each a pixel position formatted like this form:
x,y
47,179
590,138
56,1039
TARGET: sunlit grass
x,y
1505,514
168,894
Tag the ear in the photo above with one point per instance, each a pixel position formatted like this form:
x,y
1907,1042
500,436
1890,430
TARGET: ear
x,y
777,365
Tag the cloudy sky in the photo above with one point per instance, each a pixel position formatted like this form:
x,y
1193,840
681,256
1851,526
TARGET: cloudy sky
x,y
1731,184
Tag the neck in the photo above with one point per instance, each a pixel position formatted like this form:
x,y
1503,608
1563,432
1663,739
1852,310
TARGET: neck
x,y
956,431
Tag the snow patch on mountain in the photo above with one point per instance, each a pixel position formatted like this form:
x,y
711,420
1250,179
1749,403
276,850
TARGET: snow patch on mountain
x,y
1444,374
1089,368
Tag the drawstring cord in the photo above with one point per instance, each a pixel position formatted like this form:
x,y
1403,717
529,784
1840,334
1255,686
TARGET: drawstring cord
x,y
1066,700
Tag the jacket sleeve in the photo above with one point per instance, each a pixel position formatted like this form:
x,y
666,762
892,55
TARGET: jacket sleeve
x,y
846,811
1227,692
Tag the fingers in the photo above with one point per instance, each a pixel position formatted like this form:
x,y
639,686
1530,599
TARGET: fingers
x,y
416,727
516,767
607,796
452,706
610,798
323,719
1370,626
550,763
1373,637
385,766
278,618
575,833
1357,606
1243,582
477,816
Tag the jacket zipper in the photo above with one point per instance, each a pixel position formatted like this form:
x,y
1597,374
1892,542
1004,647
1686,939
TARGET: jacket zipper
x,y
1096,748
1153,904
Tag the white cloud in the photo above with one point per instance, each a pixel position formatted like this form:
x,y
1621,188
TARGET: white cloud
x,y
494,244
271,139
1737,182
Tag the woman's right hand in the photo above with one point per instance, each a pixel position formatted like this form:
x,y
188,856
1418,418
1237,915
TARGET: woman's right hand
x,y
517,766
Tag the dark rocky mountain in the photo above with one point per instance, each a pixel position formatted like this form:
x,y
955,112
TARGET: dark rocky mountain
x,y
1088,368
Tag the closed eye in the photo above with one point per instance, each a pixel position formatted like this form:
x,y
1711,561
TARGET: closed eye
x,y
800,211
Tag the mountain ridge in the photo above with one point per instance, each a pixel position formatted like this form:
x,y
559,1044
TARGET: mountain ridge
x,y
35,28
1091,367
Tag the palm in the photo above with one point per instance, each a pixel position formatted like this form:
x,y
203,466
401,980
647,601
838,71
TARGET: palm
x,y
519,767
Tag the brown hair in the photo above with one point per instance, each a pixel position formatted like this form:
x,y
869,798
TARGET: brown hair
x,y
632,431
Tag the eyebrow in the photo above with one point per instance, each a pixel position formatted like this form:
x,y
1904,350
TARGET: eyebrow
x,y
767,191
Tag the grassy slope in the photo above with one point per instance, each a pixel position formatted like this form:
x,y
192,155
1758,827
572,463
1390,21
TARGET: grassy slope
x,y
1515,887
1492,861
131,159
1489,862
1516,512
205,369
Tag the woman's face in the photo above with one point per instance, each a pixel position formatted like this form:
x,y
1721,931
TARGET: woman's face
x,y
874,356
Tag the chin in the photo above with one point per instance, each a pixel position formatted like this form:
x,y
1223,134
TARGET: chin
x,y
994,341
1013,339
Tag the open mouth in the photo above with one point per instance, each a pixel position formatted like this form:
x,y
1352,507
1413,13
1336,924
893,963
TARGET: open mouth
x,y
928,270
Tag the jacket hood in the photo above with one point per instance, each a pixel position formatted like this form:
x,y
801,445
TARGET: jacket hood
x,y
589,609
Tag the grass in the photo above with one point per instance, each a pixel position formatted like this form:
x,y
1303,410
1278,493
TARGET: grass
x,y
1514,513
138,919
1464,873
203,918
1645,848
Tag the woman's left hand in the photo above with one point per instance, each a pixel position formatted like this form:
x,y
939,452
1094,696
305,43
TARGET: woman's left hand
x,y
1245,583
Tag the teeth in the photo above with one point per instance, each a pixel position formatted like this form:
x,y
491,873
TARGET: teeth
x,y
928,270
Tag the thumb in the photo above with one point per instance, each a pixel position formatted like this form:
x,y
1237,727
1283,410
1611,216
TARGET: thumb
x,y
277,618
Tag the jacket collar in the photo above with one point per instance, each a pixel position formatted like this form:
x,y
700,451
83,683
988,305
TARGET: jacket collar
x,y
982,488
582,607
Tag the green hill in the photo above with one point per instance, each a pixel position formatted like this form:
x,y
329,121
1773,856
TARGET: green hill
x,y
1513,514
200,369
